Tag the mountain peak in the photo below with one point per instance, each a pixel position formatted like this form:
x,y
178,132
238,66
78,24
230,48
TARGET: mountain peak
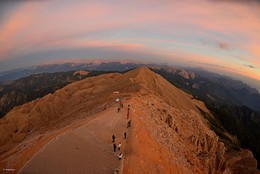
x,y
144,81
141,73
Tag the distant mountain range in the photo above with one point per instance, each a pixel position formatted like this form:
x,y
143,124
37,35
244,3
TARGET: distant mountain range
x,y
210,87
102,66
111,66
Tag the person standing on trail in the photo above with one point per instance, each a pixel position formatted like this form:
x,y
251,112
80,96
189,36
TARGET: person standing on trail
x,y
114,146
129,124
121,104
120,156
119,146
113,138
128,112
125,135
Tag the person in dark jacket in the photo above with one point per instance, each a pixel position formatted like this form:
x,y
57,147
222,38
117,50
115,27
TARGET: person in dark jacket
x,y
129,124
114,146
125,135
113,138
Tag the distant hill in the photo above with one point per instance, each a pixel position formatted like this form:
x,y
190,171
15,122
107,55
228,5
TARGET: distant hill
x,y
35,86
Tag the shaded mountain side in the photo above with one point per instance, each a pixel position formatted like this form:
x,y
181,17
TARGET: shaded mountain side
x,y
224,99
35,86
242,122
168,118
212,88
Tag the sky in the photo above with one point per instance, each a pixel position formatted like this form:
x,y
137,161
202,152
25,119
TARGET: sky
x,y
221,35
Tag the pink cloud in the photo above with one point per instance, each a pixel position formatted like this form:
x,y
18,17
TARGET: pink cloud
x,y
224,45
102,44
12,30
9,31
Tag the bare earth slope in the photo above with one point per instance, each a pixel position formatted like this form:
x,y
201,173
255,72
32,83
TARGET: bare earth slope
x,y
168,133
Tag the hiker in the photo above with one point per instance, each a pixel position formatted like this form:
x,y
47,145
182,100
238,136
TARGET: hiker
x,y
129,124
121,104
120,156
114,146
113,138
119,146
125,135
128,112
118,110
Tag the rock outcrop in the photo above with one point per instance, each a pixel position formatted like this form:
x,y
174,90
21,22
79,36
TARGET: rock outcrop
x,y
241,161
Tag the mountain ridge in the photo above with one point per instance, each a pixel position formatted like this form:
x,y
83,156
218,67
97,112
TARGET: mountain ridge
x,y
168,117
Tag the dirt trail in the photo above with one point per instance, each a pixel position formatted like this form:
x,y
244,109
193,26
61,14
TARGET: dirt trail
x,y
86,149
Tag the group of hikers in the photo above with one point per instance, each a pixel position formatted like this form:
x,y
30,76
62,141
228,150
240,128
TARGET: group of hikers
x,y
119,144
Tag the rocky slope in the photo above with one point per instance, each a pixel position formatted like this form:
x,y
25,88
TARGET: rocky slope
x,y
168,135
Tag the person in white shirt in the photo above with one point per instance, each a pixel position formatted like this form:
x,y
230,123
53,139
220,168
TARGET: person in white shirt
x,y
119,146
120,156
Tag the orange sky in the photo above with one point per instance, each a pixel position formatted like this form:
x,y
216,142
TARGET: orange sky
x,y
215,34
